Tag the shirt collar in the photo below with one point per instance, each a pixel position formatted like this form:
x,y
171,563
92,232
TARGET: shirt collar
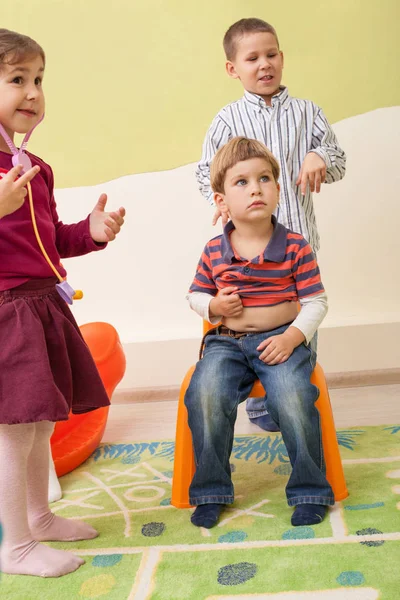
x,y
258,103
275,250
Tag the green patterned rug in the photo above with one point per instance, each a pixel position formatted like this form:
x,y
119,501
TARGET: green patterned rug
x,y
148,550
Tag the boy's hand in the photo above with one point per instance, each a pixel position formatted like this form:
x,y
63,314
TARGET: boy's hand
x,y
13,190
313,171
105,226
219,214
277,348
226,304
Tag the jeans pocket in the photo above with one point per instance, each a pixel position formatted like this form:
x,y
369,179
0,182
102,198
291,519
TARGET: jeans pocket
x,y
205,339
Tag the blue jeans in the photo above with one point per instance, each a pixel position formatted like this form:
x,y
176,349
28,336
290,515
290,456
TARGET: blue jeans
x,y
222,379
256,407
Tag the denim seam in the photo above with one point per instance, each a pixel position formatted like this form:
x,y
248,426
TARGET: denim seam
x,y
252,414
211,500
241,381
311,500
237,399
321,447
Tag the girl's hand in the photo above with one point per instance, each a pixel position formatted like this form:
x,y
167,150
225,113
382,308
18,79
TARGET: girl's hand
x,y
227,303
105,226
313,171
13,190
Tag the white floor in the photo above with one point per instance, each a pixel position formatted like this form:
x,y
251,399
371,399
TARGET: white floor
x,y
353,407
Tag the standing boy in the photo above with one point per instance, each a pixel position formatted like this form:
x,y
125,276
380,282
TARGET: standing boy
x,y
296,131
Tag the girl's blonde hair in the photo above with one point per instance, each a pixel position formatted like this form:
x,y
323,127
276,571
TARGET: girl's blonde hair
x,y
237,150
15,48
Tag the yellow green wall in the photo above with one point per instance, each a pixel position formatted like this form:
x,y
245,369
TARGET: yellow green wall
x,y
132,86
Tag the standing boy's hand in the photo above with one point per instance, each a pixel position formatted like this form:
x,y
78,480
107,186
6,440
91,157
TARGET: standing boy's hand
x,y
105,226
227,303
313,171
219,214
13,190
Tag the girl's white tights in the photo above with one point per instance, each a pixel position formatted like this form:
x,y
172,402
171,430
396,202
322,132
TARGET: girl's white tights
x,y
24,509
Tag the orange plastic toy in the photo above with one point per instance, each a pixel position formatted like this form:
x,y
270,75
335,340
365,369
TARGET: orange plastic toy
x,y
184,464
73,441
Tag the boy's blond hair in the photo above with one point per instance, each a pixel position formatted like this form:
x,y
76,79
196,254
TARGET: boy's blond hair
x,y
241,28
237,150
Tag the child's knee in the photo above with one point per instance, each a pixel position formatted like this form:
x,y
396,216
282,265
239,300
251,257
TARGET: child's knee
x,y
294,401
205,400
203,391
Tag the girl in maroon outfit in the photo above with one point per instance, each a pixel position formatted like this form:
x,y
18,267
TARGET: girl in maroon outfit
x,y
46,369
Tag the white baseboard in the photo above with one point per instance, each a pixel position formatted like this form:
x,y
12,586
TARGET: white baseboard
x,y
341,351
334,380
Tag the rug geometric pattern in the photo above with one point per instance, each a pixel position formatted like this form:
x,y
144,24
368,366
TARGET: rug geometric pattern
x,y
148,550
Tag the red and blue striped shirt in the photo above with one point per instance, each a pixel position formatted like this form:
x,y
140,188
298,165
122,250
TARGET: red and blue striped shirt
x,y
285,271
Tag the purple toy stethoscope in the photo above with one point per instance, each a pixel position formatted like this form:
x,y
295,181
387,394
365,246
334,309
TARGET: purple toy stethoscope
x,y
19,157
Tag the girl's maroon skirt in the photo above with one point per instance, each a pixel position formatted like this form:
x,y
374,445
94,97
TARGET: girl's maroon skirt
x,y
46,368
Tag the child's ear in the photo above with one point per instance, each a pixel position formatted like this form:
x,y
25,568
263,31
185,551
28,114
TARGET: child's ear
x,y
220,202
230,69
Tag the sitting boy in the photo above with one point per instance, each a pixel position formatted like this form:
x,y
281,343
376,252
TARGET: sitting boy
x,y
260,270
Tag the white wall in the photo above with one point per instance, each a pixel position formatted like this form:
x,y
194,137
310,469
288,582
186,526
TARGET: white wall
x,y
139,283
359,223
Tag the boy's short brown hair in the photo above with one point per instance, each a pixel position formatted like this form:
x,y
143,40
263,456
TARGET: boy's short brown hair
x,y
236,150
16,47
239,29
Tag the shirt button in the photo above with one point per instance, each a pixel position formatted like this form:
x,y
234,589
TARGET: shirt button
x,y
246,269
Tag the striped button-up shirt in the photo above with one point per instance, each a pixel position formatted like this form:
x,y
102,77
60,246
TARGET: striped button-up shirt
x,y
290,128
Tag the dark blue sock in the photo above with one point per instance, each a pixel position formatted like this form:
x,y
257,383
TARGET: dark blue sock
x,y
266,422
206,515
308,514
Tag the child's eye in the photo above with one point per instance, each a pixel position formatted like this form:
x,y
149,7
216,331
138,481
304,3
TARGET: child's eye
x,y
264,178
38,81
252,58
241,182
271,55
18,80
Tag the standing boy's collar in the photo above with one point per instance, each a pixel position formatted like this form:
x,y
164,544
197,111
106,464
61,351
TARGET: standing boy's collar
x,y
275,250
258,103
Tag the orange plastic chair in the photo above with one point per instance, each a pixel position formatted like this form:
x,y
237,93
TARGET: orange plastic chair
x,y
73,441
184,464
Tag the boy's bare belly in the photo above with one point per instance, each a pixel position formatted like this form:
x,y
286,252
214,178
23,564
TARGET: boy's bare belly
x,y
263,318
